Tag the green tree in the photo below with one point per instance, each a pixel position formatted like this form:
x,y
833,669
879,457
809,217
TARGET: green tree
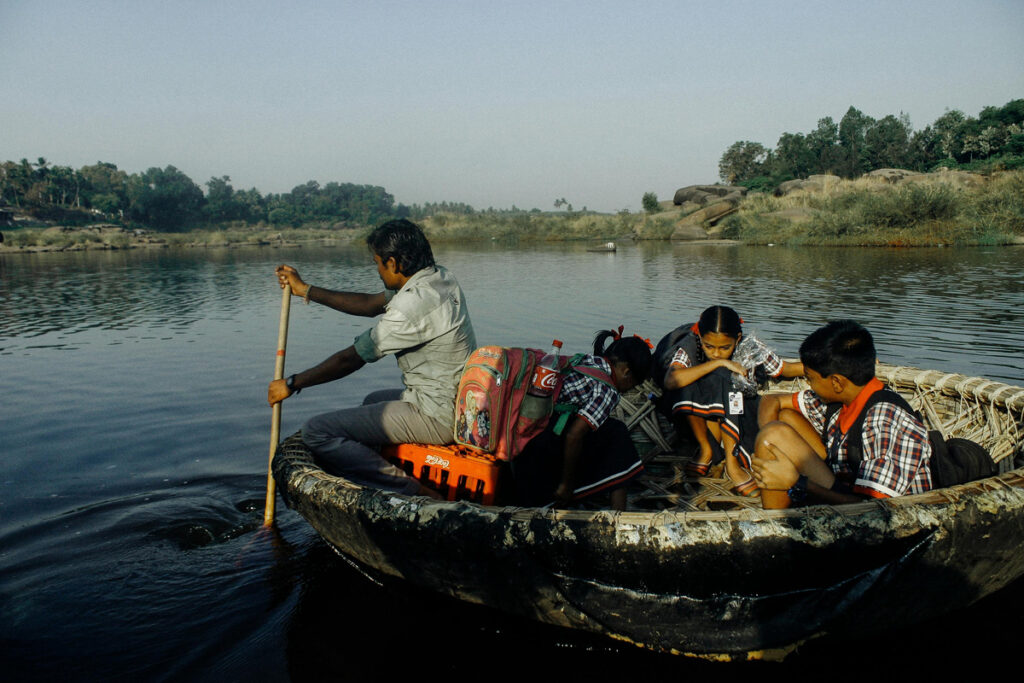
x,y
222,202
741,161
281,216
15,181
650,203
105,187
823,145
793,157
949,131
251,205
887,143
923,149
853,128
165,199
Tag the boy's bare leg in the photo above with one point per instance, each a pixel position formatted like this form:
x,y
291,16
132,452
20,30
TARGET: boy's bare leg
x,y
805,429
779,440
769,406
779,408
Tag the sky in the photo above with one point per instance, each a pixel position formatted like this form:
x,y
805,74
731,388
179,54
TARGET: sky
x,y
490,103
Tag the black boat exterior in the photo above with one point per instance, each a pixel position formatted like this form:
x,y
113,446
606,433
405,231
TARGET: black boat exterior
x,y
734,584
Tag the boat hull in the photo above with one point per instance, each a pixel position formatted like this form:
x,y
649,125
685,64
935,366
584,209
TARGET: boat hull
x,y
744,583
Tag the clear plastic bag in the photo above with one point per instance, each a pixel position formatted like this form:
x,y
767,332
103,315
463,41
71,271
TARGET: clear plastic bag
x,y
749,353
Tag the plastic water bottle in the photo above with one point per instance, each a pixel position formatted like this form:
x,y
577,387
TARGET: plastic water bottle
x,y
537,403
545,375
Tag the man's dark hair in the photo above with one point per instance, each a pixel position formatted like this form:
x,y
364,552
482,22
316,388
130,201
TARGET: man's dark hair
x,y
405,242
843,347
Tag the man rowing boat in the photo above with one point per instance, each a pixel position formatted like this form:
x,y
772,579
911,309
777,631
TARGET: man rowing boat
x,y
425,323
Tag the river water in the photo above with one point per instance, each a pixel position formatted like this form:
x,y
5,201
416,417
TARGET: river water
x,y
135,434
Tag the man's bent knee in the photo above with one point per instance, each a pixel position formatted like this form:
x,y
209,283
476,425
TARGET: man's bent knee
x,y
316,431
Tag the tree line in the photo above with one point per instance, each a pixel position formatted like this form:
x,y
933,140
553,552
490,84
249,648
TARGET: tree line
x,y
859,144
168,200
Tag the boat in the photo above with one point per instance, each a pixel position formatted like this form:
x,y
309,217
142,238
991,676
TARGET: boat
x,y
698,574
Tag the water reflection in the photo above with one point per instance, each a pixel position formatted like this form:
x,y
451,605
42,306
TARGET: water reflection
x,y
136,442
924,305
66,294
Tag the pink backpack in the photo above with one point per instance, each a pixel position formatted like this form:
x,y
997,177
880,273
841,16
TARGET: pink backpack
x,y
488,405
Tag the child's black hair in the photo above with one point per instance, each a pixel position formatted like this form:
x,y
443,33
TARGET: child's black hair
x,y
633,351
720,319
843,347
405,242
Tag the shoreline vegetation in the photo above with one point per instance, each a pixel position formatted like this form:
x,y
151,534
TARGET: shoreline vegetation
x,y
860,181
889,207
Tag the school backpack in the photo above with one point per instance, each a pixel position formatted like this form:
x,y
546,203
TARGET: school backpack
x,y
953,461
684,335
489,407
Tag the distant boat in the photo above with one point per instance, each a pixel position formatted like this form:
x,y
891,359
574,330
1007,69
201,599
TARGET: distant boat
x,y
692,577
607,246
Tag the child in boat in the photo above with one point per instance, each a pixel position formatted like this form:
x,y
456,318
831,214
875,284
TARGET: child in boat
x,y
712,381
594,452
894,453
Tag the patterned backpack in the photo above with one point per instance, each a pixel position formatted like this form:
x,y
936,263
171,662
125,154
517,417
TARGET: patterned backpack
x,y
490,414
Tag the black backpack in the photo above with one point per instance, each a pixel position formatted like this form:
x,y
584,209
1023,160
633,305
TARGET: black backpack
x,y
953,461
666,348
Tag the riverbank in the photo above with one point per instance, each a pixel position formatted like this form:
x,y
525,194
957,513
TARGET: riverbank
x,y
895,209
108,237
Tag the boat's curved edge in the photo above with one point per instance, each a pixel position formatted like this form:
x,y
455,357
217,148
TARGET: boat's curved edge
x,y
857,550
295,470
959,540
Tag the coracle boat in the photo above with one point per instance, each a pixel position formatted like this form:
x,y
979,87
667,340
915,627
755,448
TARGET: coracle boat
x,y
680,574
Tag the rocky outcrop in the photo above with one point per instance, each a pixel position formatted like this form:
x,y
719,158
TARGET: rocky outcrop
x,y
687,232
891,175
814,183
705,194
955,178
700,224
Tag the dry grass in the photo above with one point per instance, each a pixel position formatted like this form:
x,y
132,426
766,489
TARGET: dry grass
x,y
930,210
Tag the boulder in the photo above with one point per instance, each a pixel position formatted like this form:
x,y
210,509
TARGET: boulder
x,y
719,210
813,183
701,194
817,183
689,232
891,175
955,178
789,186
710,214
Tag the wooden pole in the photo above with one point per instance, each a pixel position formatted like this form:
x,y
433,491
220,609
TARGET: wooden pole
x,y
275,422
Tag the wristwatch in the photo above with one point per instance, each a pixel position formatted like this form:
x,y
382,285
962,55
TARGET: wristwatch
x,y
798,491
290,383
